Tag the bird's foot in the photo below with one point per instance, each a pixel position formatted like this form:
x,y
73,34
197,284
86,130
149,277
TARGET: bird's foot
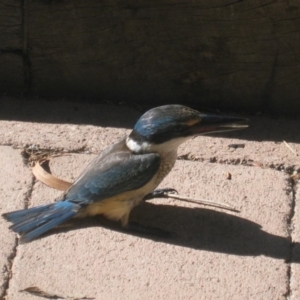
x,y
143,229
160,193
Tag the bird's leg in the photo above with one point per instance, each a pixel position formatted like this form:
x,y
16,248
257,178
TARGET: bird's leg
x,y
160,193
143,229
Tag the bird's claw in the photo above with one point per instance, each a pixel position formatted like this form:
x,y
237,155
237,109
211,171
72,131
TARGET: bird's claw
x,y
160,193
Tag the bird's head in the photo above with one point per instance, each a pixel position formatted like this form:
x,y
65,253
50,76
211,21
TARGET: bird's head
x,y
170,125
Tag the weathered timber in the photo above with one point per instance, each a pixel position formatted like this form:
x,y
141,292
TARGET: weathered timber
x,y
240,54
12,77
11,47
11,27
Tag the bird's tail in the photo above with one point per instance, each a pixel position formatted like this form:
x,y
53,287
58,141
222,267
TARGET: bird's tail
x,y
31,223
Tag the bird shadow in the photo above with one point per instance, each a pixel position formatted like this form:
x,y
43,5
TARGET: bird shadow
x,y
201,229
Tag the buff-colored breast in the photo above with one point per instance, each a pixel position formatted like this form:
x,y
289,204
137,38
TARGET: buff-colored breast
x,y
119,207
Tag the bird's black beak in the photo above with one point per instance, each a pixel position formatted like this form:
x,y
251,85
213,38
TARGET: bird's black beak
x,y
216,123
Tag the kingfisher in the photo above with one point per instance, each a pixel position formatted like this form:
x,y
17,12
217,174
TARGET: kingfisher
x,y
126,173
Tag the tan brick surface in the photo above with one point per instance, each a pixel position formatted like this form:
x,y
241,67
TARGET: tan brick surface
x,y
215,255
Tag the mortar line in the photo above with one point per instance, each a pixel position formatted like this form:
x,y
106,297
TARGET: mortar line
x,y
290,237
8,268
29,193
289,169
241,162
14,252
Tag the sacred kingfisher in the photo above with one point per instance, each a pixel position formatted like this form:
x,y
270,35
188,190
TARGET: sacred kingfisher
x,y
121,176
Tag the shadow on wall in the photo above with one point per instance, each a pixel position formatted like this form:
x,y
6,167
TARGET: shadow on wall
x,y
67,112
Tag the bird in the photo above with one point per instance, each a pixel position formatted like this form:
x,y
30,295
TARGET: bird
x,y
126,173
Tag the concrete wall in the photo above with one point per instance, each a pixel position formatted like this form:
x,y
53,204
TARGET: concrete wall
x,y
241,55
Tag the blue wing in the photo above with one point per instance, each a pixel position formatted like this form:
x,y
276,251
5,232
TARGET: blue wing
x,y
113,172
